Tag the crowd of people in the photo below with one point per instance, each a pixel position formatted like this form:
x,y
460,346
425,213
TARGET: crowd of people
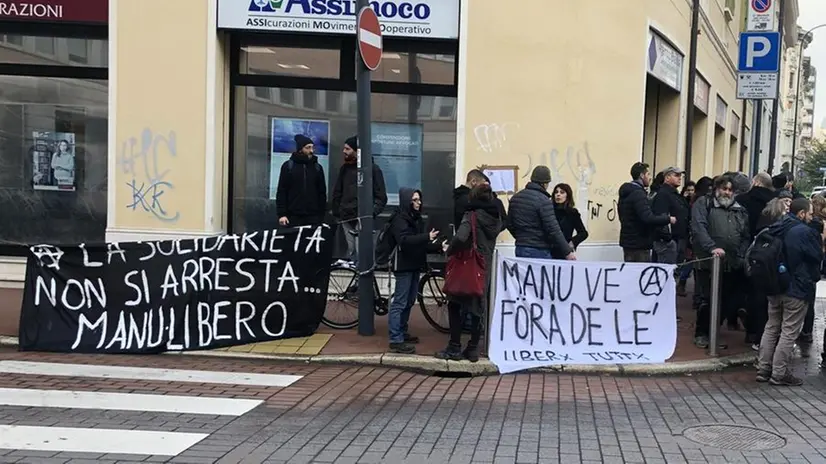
x,y
769,240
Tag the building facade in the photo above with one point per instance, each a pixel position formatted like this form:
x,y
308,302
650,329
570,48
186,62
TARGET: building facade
x,y
198,100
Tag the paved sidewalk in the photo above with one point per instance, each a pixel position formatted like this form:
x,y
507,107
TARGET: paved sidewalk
x,y
352,415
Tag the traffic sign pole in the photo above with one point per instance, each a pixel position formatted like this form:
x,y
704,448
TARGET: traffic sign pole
x,y
366,326
776,102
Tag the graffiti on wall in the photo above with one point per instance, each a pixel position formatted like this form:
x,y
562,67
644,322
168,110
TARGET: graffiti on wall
x,y
143,158
493,136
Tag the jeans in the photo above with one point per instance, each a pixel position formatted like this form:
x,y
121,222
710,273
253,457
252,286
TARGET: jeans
x,y
530,252
731,297
666,251
685,272
636,256
404,297
351,230
809,320
786,316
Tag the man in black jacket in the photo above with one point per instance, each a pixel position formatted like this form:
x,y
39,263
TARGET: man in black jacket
x,y
670,240
301,197
532,221
755,200
345,202
637,222
461,197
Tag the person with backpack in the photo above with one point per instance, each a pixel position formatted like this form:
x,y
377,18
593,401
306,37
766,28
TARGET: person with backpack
x,y
720,228
411,245
786,257
479,227
345,203
301,196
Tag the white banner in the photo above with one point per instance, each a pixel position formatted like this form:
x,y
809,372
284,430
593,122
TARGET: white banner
x,y
549,312
432,19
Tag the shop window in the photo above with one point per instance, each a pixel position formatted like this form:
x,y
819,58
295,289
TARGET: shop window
x,y
287,96
416,68
310,99
44,45
54,51
333,100
262,92
267,142
44,201
78,50
290,61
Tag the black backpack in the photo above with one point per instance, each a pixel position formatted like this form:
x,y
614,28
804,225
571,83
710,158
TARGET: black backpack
x,y
764,258
385,244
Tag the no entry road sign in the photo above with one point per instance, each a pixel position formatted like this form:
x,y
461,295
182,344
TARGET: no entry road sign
x,y
369,37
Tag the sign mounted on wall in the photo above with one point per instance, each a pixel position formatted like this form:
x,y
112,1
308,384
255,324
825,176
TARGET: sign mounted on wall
x,y
432,19
56,11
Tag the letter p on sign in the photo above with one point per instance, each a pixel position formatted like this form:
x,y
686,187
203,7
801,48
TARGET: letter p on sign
x,y
757,47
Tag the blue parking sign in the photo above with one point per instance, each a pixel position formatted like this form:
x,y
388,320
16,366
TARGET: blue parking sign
x,y
759,52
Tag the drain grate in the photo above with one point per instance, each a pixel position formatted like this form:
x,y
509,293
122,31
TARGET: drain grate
x,y
734,437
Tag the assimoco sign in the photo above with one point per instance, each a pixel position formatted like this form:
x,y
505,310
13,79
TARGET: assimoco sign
x,y
70,11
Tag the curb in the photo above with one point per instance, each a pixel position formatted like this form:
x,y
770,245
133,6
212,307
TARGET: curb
x,y
430,365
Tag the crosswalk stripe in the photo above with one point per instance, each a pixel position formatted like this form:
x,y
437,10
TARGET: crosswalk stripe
x,y
146,373
82,440
126,402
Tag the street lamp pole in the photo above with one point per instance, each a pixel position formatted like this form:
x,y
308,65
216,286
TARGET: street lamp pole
x,y
797,93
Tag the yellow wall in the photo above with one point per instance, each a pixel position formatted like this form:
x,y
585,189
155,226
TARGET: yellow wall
x,y
564,86
558,90
160,127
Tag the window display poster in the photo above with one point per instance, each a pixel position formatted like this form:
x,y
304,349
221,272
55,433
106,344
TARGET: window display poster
x,y
397,150
282,137
53,161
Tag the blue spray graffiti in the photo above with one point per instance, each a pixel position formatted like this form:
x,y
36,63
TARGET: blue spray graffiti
x,y
141,159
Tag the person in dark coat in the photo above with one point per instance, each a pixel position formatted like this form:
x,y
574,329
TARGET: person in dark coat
x,y
803,253
345,204
719,227
532,221
637,222
684,272
488,226
670,239
461,196
755,201
806,337
570,221
301,196
413,244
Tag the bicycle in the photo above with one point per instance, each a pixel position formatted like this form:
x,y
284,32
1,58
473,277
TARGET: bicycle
x,y
343,292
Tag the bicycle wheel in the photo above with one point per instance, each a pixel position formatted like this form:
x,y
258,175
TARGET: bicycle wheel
x,y
342,310
433,301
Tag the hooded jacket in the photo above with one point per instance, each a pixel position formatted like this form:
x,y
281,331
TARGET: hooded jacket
x,y
411,238
488,226
803,254
345,204
461,199
302,188
532,221
755,201
638,223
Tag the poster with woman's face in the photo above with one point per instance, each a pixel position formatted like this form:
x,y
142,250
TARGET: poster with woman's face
x,y
53,161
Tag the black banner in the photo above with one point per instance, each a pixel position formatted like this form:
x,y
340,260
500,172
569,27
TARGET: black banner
x,y
176,295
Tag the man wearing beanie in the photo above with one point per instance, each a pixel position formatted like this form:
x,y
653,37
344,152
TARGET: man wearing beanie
x,y
301,197
346,199
532,221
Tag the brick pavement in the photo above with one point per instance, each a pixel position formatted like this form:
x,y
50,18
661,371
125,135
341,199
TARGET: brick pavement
x,y
363,414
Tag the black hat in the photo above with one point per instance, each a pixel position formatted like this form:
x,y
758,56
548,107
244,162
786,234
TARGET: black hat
x,y
302,141
352,142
